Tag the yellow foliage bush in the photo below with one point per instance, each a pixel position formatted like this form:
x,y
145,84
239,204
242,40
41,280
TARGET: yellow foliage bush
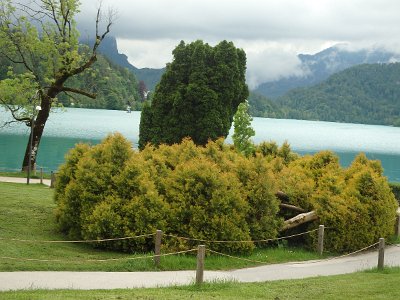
x,y
208,193
214,193
356,204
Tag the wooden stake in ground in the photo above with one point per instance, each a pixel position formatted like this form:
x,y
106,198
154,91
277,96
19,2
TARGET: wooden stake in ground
x,y
157,248
381,255
321,239
200,264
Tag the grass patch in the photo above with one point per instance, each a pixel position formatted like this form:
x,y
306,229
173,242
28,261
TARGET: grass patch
x,y
26,212
25,175
363,285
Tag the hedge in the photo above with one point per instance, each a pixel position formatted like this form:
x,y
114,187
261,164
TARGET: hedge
x,y
213,192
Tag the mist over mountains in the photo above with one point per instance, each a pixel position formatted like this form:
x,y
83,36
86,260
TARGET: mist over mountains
x,y
315,68
318,67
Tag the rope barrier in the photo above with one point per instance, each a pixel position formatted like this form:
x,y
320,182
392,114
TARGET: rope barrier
x,y
355,252
80,241
236,257
303,262
251,241
96,260
152,234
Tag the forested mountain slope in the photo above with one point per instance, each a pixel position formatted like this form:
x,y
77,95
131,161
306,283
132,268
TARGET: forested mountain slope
x,y
116,87
318,67
368,94
261,106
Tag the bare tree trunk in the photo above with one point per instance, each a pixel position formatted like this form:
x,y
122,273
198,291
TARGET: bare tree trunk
x,y
38,128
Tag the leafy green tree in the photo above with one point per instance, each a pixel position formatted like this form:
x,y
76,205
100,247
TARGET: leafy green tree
x,y
41,42
198,95
243,130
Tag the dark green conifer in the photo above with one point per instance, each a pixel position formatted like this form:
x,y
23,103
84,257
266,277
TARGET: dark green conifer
x,y
197,96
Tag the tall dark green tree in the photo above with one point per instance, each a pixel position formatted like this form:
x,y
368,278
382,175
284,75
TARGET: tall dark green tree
x,y
197,96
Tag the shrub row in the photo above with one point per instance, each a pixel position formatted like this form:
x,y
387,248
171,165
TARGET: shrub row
x,y
215,193
211,193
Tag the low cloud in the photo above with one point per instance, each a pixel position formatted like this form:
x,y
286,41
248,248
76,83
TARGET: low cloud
x,y
147,54
272,33
271,61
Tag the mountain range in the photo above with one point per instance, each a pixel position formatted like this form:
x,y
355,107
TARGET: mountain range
x,y
339,84
318,67
367,93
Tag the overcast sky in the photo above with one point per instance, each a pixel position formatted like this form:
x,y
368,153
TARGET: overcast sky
x,y
272,32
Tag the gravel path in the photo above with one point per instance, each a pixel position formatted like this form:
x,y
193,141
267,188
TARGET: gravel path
x,y
23,180
115,280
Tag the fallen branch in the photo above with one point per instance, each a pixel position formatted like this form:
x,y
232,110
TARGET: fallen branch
x,y
292,207
300,219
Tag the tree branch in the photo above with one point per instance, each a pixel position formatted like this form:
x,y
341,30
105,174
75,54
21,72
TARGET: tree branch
x,y
93,57
19,51
99,38
14,111
11,59
71,96
54,16
77,91
34,14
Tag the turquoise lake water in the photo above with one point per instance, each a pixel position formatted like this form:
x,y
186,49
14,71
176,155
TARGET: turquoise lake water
x,y
66,128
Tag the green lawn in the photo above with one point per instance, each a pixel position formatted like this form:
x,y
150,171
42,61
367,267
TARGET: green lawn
x,y
26,212
364,285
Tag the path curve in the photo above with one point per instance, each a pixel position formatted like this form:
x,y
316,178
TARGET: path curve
x,y
122,280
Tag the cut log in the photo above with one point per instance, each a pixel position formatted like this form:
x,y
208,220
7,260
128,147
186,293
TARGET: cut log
x,y
292,207
300,219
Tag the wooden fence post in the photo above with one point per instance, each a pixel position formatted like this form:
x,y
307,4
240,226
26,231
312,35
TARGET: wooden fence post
x,y
201,252
397,226
321,239
52,180
157,248
41,175
381,255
